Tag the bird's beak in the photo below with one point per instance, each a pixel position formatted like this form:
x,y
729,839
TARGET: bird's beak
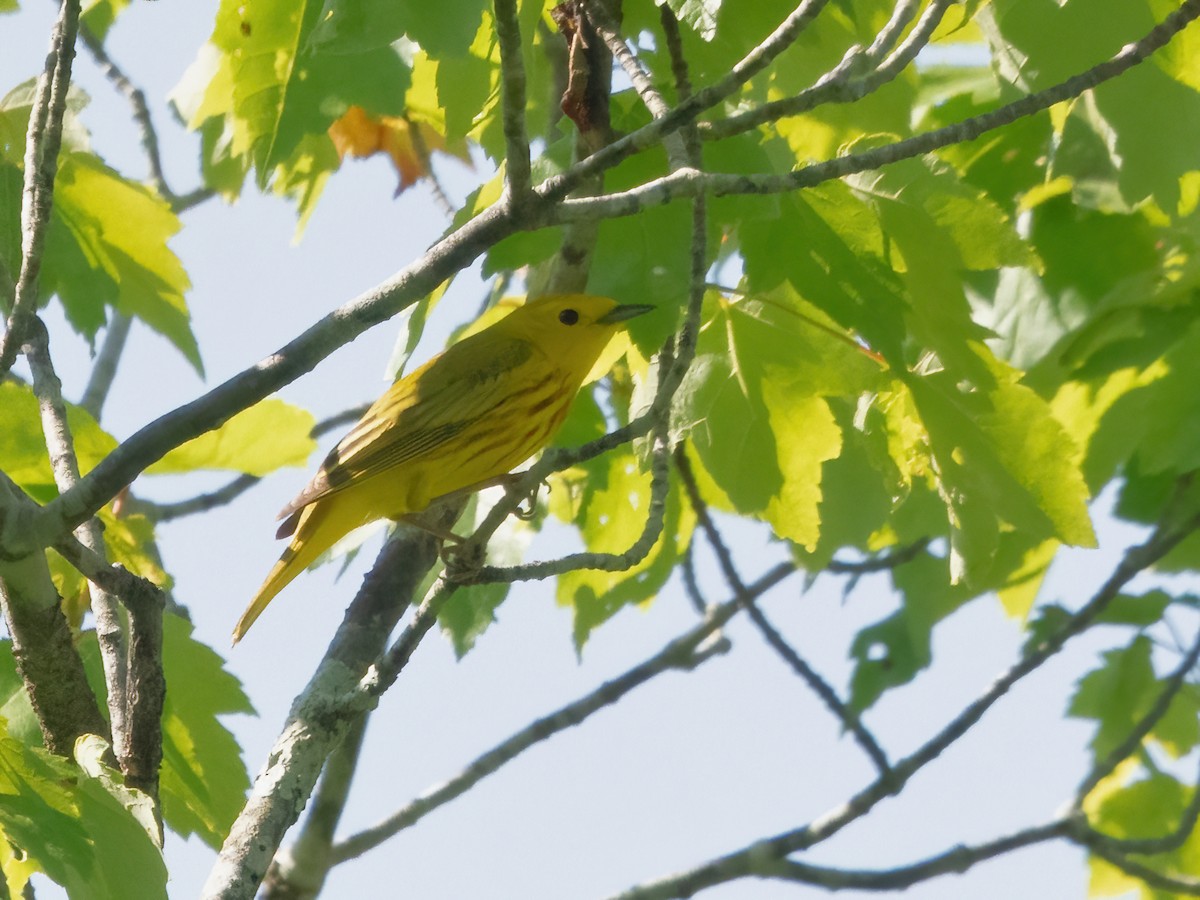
x,y
623,312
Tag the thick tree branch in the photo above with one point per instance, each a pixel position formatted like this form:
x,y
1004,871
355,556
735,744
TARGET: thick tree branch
x,y
512,95
301,869
322,713
61,446
42,143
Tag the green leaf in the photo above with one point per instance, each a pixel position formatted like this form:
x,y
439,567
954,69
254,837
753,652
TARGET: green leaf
x,y
23,455
752,405
891,652
699,15
76,827
828,249
97,16
279,92
1002,459
267,436
443,29
107,246
1141,610
1121,692
203,780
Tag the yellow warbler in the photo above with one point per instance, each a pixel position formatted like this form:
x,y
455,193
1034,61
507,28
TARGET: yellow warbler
x,y
457,422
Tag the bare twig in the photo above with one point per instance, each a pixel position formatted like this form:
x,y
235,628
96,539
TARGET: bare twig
x,y
749,860
685,652
954,861
41,165
141,112
858,73
849,719
104,370
880,563
1171,687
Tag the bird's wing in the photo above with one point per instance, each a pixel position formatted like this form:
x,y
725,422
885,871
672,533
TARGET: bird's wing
x,y
419,414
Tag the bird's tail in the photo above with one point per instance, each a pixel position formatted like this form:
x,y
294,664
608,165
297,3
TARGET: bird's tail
x,y
317,530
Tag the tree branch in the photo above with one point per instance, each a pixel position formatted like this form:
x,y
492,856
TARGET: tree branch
x,y
689,183
322,713
42,143
683,653
954,861
749,860
512,96
104,370
858,74
1171,687
65,466
850,721
301,869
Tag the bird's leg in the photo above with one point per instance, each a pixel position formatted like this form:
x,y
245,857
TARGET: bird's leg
x,y
528,513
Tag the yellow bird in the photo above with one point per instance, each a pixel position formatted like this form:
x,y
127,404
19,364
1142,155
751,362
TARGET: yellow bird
x,y
461,420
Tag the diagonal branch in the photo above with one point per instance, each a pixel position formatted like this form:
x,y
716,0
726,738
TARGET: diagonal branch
x,y
323,713
954,861
849,719
748,860
1171,687
847,81
684,653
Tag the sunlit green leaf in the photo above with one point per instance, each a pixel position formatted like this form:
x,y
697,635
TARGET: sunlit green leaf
x,y
256,441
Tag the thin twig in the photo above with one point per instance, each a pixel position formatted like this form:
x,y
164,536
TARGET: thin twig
x,y
685,183
685,652
141,112
104,369
42,144
849,719
880,563
1171,687
748,860
954,861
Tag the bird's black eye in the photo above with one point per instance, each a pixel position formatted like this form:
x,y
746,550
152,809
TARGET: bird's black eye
x,y
568,317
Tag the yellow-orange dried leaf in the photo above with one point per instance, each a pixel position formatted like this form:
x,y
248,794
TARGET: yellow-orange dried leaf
x,y
359,134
